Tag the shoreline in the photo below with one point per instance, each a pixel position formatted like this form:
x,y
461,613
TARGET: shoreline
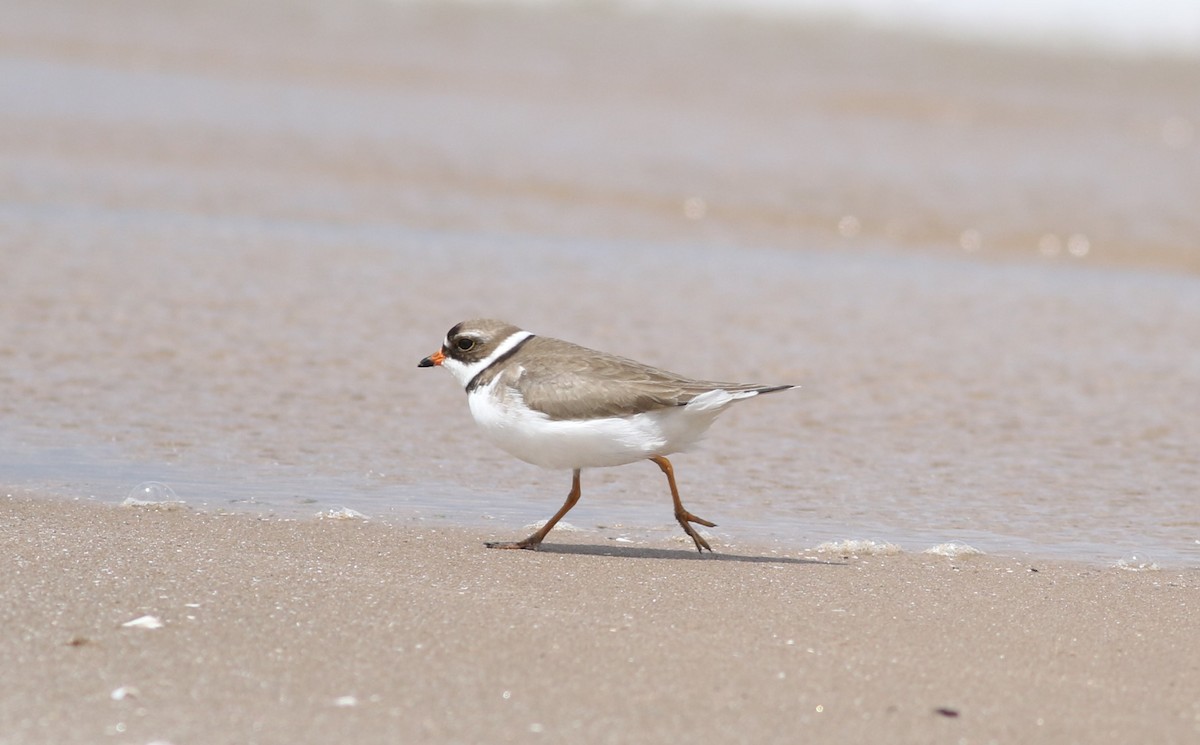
x,y
497,520
358,630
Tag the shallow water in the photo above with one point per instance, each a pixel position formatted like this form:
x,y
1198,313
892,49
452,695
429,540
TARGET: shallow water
x,y
225,251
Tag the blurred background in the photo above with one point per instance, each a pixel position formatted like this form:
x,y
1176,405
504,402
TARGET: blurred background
x,y
229,230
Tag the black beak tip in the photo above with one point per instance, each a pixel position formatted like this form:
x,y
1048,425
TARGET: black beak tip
x,y
425,363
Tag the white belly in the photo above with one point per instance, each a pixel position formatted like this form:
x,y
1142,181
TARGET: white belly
x,y
586,443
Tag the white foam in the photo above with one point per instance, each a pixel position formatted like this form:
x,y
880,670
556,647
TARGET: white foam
x,y
153,494
953,550
859,547
1137,563
561,527
163,506
341,513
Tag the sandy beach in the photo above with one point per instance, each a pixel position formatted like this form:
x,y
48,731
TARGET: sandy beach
x,y
278,631
229,231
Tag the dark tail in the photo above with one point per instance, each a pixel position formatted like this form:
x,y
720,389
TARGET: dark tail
x,y
773,388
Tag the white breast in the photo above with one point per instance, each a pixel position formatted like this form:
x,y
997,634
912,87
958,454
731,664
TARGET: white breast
x,y
588,443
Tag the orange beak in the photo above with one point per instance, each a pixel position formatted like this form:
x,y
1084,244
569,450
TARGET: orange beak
x,y
434,359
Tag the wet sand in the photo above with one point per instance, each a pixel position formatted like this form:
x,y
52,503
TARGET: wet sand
x,y
280,631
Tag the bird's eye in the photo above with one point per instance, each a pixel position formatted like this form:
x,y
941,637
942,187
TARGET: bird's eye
x,y
465,344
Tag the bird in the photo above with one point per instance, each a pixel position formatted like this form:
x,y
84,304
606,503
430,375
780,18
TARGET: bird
x,y
559,405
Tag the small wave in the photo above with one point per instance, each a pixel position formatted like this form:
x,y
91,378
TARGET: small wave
x,y
341,513
952,550
1137,563
153,494
858,548
161,506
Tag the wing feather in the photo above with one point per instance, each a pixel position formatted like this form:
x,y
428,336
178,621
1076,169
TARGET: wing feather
x,y
582,383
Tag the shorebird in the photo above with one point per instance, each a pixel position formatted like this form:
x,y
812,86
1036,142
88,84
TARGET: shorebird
x,y
562,406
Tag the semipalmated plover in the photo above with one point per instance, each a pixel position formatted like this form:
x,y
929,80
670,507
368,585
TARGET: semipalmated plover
x,y
559,405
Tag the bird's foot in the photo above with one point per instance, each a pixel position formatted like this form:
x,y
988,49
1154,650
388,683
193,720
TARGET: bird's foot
x,y
525,544
685,519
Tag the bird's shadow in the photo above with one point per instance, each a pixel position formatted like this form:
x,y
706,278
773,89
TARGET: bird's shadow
x,y
636,552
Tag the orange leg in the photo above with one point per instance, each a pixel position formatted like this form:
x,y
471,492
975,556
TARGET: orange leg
x,y
534,540
683,516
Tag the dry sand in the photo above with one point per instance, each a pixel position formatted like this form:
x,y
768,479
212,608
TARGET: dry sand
x,y
278,631
228,231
